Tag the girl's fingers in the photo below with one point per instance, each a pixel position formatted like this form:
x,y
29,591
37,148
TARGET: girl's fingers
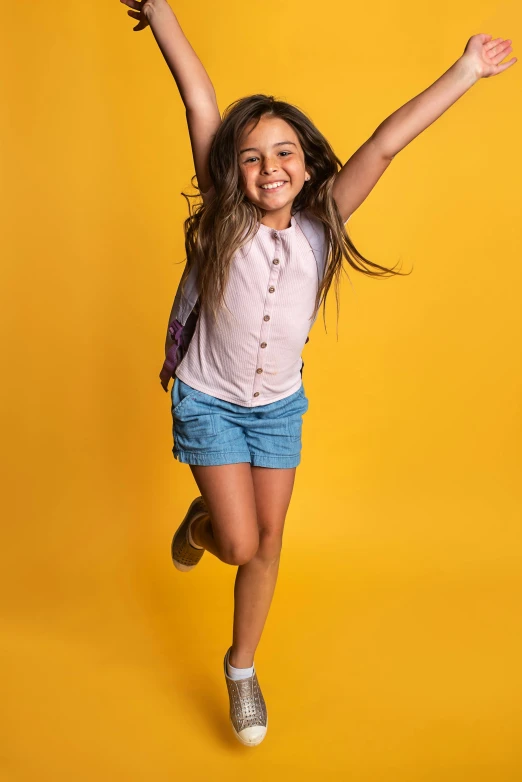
x,y
131,4
491,44
505,65
499,55
134,14
502,54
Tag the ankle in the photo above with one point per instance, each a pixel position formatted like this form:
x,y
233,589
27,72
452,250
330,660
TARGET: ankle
x,y
240,659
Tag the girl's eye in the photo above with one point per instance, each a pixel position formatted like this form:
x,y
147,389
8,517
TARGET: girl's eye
x,y
283,152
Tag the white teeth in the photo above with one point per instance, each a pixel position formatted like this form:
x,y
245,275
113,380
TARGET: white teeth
x,y
272,186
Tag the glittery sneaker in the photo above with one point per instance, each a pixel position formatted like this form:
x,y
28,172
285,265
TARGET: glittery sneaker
x,y
247,708
184,556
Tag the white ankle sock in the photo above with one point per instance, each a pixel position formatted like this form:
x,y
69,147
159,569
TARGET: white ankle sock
x,y
239,673
194,545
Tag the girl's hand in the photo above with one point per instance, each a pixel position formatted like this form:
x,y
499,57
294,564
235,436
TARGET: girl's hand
x,y
484,55
145,10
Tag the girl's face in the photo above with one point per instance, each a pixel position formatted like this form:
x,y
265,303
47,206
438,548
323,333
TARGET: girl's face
x,y
270,153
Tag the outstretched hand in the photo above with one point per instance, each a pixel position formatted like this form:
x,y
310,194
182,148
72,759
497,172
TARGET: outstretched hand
x,y
485,55
144,10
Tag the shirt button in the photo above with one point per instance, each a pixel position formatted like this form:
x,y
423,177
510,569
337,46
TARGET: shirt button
x,y
276,261
257,393
271,289
267,317
263,344
259,371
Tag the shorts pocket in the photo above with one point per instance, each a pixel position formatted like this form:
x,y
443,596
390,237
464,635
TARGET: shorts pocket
x,y
194,427
182,393
194,418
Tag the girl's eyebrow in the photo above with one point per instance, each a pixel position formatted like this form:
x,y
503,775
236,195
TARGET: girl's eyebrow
x,y
254,149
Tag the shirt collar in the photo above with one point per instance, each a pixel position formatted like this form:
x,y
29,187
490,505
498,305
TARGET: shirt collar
x,y
283,232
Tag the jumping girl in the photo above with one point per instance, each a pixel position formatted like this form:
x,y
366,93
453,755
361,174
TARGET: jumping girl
x,y
262,248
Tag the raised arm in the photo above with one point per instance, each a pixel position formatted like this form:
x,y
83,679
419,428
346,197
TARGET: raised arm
x,y
482,57
195,87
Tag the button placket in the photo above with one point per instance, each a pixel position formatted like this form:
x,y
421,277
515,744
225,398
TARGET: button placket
x,y
267,314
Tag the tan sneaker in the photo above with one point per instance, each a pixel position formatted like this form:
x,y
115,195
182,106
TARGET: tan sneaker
x,y
184,556
247,708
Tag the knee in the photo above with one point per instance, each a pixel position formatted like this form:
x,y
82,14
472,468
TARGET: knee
x,y
270,545
240,552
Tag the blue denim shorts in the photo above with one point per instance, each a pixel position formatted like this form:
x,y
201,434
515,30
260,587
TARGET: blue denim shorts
x,y
209,431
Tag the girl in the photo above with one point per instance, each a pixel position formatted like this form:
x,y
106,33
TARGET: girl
x,y
262,251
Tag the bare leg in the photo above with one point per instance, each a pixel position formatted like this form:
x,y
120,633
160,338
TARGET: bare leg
x,y
255,580
247,507
231,533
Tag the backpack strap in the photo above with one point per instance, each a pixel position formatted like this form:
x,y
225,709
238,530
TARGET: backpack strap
x,y
315,233
185,302
182,322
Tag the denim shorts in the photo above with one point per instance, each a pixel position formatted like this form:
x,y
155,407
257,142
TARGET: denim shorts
x,y
209,431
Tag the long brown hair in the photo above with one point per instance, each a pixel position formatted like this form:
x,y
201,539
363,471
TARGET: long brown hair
x,y
215,230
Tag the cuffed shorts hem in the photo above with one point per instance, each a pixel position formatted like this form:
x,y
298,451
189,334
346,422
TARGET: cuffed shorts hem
x,y
215,458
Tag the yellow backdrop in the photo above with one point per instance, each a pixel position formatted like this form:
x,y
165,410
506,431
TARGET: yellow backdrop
x,y
392,649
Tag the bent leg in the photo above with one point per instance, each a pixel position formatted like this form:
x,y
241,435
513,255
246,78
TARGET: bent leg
x,y
256,579
231,533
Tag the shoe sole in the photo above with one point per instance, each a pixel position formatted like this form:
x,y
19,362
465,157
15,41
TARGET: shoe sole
x,y
179,565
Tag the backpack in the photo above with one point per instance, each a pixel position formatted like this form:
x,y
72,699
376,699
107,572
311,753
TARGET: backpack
x,y
185,309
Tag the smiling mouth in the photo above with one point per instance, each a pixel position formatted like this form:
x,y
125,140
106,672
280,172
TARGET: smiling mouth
x,y
271,189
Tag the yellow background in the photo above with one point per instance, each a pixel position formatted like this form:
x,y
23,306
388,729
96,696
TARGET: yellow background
x,y
392,649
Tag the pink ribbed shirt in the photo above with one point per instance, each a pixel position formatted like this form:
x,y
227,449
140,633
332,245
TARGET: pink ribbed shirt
x,y
251,354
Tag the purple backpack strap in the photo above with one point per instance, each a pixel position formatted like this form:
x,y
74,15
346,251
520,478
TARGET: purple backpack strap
x,y
181,334
182,322
173,355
